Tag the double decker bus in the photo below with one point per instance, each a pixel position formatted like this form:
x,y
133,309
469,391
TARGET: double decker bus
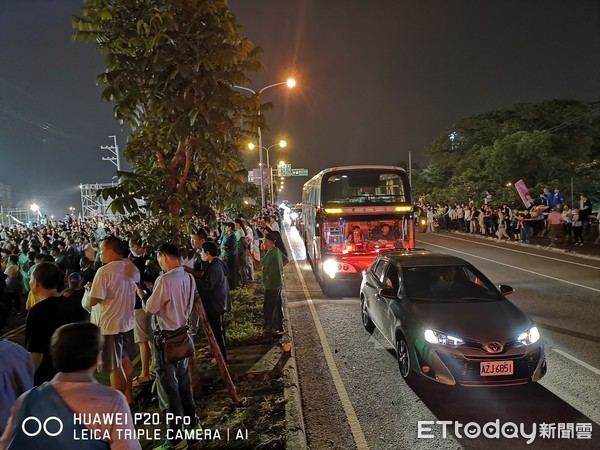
x,y
353,213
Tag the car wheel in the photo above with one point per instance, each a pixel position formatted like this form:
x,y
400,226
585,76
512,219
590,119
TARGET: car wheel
x,y
404,359
366,320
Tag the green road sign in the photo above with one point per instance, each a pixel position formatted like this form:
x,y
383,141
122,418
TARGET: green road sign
x,y
284,171
299,172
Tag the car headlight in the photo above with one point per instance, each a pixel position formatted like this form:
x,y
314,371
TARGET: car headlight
x,y
531,336
330,267
437,337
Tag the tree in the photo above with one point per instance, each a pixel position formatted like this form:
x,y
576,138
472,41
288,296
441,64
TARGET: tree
x,y
545,144
170,66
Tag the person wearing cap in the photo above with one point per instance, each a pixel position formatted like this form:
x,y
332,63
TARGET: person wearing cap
x,y
272,263
74,295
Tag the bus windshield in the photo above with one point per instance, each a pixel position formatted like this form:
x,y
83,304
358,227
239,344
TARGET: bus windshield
x,y
364,187
370,235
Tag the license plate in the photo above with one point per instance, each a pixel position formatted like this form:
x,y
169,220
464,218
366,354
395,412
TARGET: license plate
x,y
495,368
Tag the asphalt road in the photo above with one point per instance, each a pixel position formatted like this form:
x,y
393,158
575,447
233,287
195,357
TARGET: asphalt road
x,y
353,395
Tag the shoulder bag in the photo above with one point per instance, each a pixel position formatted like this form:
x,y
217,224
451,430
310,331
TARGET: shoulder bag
x,y
178,344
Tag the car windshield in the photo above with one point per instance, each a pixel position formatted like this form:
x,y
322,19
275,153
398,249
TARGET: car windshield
x,y
448,284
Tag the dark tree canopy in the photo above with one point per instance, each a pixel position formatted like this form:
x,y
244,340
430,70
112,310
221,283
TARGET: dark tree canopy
x,y
545,144
170,68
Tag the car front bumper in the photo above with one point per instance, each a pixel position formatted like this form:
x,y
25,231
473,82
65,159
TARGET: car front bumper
x,y
455,365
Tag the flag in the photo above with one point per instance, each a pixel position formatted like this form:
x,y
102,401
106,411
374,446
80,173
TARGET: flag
x,y
524,193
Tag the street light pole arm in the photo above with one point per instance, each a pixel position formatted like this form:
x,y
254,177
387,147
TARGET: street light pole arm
x,y
260,164
271,85
244,88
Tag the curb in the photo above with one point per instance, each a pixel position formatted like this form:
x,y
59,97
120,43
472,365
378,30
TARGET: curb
x,y
294,426
296,434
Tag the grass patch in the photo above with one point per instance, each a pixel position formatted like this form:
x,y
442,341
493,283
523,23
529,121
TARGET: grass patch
x,y
244,321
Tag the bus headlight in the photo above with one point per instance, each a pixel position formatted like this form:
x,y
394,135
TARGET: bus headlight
x,y
330,266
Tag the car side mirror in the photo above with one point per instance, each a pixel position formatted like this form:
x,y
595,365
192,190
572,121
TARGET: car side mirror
x,y
505,289
390,293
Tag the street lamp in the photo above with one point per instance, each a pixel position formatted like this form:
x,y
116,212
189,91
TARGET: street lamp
x,y
282,144
290,83
35,209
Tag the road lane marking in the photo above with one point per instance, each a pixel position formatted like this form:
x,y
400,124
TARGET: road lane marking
x,y
578,361
357,433
519,251
516,268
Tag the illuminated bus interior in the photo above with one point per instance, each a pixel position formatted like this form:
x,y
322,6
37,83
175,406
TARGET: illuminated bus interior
x,y
367,187
373,236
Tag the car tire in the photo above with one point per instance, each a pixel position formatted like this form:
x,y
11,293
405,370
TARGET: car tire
x,y
404,359
366,320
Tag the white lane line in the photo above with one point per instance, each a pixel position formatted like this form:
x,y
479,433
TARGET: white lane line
x,y
357,433
519,251
578,361
516,268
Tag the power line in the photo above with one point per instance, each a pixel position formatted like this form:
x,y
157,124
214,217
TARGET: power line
x,y
573,120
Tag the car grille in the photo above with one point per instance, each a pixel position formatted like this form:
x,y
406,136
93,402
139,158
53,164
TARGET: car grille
x,y
479,346
467,371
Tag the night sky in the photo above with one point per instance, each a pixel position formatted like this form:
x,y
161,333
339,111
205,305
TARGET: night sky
x,y
376,79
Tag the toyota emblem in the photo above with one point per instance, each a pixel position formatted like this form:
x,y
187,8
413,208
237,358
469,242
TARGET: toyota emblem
x,y
494,347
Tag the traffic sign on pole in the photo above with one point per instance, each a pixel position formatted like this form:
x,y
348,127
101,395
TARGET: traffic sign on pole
x,y
299,172
266,178
284,171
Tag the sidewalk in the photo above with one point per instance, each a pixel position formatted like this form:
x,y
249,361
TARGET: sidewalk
x,y
269,414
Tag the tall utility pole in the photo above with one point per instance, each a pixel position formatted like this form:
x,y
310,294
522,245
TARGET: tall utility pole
x,y
114,149
290,84
410,169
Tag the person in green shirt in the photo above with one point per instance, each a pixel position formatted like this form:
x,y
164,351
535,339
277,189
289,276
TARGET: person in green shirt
x,y
272,263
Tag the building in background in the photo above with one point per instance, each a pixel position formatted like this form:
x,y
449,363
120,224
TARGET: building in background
x,y
5,196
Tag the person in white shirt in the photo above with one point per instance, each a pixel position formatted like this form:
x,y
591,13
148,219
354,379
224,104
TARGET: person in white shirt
x,y
274,224
171,303
112,294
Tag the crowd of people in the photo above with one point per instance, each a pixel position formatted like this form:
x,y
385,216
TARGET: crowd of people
x,y
551,217
97,283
